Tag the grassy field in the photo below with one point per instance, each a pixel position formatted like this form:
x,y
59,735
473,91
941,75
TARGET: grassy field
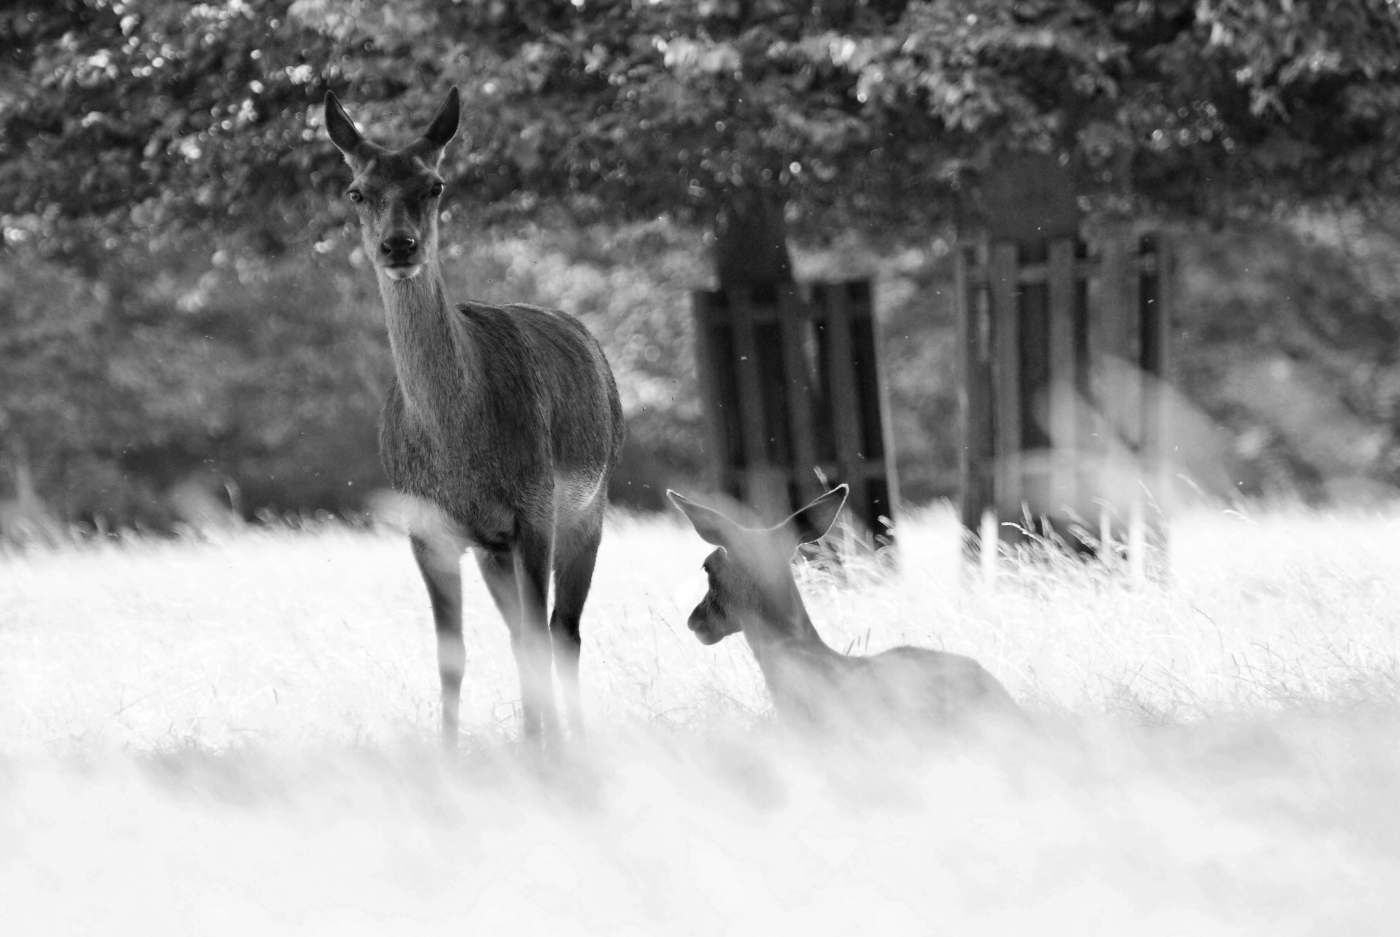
x,y
238,736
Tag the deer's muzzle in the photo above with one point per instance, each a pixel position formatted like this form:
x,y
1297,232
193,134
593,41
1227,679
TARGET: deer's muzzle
x,y
399,251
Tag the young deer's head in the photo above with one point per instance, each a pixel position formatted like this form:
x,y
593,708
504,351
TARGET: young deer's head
x,y
751,587
396,192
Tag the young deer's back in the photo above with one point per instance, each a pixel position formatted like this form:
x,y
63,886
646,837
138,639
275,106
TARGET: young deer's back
x,y
902,688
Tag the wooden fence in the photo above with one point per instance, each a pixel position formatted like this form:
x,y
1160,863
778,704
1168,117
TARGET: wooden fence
x,y
790,382
1065,346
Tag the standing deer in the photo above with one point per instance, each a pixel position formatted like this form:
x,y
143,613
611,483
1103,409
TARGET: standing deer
x,y
503,424
752,589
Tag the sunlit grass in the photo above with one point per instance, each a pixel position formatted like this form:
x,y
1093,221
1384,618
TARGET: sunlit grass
x,y
239,735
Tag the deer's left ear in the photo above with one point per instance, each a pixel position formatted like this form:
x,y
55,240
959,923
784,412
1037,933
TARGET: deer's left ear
x,y
443,128
812,522
711,525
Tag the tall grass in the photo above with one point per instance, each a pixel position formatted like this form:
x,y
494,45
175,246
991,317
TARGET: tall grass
x,y
238,735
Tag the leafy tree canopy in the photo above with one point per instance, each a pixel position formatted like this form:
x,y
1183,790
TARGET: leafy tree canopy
x,y
131,120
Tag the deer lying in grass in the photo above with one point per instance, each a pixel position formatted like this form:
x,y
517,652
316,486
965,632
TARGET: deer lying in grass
x,y
752,589
503,425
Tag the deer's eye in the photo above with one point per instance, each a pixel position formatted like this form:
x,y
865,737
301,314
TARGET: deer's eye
x,y
436,190
355,195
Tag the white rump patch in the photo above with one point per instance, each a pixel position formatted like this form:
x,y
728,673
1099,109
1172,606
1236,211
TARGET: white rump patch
x,y
575,493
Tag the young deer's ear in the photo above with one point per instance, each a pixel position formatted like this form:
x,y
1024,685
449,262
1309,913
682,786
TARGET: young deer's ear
x,y
444,126
812,522
342,130
711,525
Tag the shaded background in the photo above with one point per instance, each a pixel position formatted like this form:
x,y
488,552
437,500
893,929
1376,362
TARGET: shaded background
x,y
186,325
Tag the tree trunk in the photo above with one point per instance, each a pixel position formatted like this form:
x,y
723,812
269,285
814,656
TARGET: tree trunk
x,y
751,241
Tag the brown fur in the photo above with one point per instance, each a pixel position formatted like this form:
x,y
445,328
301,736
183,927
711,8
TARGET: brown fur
x,y
752,590
504,422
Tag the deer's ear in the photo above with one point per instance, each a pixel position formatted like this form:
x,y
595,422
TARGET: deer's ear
x,y
711,525
342,130
812,522
444,126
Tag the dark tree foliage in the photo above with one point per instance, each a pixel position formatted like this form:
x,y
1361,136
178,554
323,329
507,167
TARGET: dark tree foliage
x,y
134,121
135,118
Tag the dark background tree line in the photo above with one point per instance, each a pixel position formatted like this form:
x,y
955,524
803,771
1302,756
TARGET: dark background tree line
x,y
180,304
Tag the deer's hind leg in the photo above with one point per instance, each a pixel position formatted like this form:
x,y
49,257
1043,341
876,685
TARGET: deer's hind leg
x,y
439,560
575,554
518,580
534,555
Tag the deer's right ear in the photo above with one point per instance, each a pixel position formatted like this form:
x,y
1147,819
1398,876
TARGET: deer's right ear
x,y
711,525
812,522
342,129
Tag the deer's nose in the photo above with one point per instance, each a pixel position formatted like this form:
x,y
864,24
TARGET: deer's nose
x,y
398,244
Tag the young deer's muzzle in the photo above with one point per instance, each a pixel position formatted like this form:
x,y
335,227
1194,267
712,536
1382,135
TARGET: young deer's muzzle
x,y
705,628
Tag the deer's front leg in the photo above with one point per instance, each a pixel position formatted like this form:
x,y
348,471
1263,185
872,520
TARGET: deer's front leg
x,y
531,643
439,560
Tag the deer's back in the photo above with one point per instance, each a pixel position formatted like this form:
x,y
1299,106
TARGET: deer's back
x,y
902,688
947,687
547,368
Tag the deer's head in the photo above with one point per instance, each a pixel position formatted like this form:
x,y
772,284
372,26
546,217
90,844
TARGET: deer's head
x,y
396,192
751,587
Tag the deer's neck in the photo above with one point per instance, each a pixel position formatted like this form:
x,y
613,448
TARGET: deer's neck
x,y
783,630
431,350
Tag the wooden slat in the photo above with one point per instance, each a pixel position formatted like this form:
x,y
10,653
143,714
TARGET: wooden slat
x,y
1132,349
706,375
1167,261
1110,359
1106,337
888,466
873,429
1063,415
1157,417
1006,364
845,414
1155,406
1132,408
750,389
976,455
793,316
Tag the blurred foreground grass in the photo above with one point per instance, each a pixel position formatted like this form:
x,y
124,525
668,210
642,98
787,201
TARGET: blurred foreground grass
x,y
238,735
